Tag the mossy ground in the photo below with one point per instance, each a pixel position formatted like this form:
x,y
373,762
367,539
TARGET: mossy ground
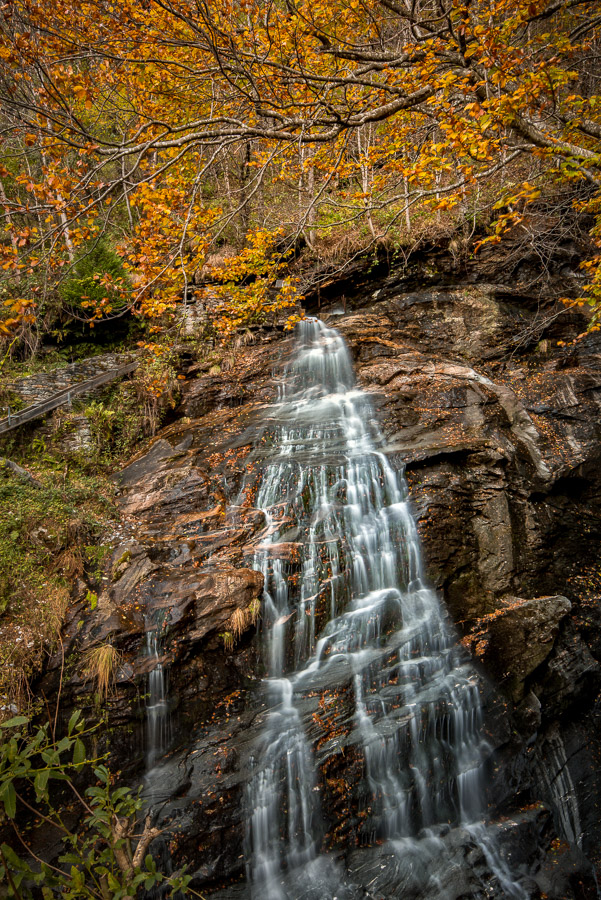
x,y
49,536
58,527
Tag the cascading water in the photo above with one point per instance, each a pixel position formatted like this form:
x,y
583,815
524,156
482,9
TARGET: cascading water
x,y
157,707
345,604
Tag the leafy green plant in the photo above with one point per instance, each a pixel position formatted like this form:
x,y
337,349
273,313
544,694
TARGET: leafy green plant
x,y
106,858
102,421
156,384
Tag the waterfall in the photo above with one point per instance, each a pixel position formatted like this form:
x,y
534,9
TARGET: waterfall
x,y
157,706
346,605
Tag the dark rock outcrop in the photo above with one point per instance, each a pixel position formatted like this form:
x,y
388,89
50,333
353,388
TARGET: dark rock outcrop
x,y
498,430
519,639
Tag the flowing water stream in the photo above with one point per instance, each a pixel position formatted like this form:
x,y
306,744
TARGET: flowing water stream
x,y
157,704
346,607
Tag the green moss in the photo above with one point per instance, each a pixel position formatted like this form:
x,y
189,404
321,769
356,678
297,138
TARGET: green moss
x,y
37,523
44,531
125,557
121,565
95,556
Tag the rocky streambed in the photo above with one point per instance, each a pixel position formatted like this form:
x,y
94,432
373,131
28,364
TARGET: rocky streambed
x,y
497,429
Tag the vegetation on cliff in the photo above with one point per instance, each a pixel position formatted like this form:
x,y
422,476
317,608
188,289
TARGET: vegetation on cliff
x,y
107,858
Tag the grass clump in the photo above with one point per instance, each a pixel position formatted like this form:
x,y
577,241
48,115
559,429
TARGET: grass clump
x,y
239,621
27,636
254,610
228,640
100,665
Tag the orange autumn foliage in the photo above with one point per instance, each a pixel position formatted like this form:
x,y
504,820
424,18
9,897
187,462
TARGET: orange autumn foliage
x,y
180,127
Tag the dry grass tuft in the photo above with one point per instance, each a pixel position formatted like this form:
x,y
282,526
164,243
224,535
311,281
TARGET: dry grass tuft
x,y
70,562
243,339
240,620
56,605
101,664
253,610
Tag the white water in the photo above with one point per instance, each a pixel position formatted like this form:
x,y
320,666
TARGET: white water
x,y
157,706
345,603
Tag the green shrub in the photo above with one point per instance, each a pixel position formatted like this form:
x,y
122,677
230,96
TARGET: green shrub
x,y
98,281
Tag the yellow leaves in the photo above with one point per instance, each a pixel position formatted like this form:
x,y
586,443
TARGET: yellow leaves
x,y
447,202
20,312
251,286
159,259
292,321
83,93
162,77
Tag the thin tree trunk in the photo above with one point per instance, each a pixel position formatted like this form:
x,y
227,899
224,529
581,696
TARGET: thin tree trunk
x,y
126,194
311,217
407,213
9,218
245,199
365,175
64,222
66,232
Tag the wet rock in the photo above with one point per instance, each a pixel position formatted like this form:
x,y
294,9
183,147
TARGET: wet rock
x,y
571,675
121,565
219,594
569,781
494,540
494,448
457,863
520,639
528,714
146,464
500,441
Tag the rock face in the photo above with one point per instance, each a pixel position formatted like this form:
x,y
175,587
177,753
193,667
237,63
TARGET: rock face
x,y
498,430
520,639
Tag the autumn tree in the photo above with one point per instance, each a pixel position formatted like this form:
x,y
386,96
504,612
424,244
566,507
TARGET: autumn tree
x,y
182,125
